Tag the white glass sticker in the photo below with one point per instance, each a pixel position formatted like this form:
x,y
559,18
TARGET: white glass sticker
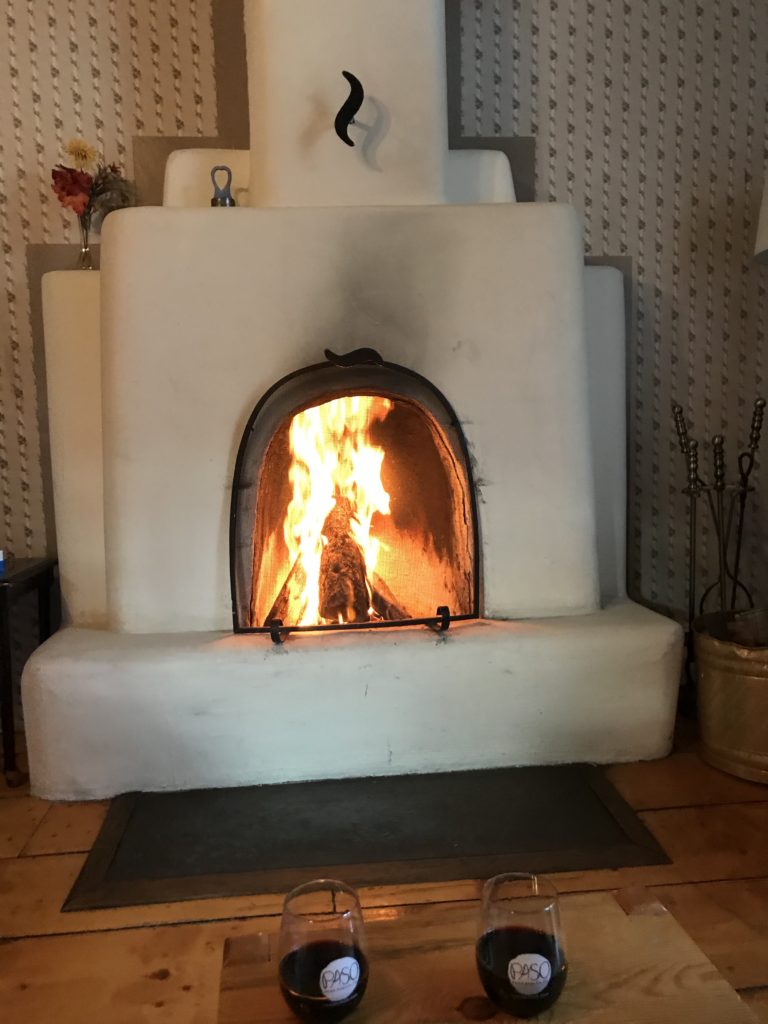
x,y
529,973
339,979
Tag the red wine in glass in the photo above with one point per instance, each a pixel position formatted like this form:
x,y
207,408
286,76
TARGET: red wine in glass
x,y
323,971
520,952
323,981
523,971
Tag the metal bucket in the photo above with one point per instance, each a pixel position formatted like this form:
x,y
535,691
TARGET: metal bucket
x,y
732,664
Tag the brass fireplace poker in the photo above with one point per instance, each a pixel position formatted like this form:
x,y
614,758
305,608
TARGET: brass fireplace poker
x,y
727,505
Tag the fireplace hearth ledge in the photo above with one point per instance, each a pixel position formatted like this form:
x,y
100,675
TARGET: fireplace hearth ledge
x,y
111,713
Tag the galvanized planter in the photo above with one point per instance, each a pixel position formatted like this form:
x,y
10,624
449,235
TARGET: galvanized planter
x,y
731,651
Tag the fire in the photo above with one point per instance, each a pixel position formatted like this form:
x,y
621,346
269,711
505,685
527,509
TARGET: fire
x,y
335,474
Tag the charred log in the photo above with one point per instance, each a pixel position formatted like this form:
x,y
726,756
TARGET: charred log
x,y
282,606
384,602
344,586
343,582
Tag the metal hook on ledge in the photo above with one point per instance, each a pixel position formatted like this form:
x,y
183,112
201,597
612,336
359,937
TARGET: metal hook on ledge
x,y
276,631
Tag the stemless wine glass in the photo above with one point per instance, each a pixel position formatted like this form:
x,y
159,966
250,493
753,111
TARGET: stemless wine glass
x,y
322,951
521,951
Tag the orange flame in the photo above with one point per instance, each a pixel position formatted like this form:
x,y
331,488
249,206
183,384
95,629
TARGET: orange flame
x,y
333,459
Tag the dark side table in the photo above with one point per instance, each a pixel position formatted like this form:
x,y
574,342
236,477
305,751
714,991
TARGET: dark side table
x,y
20,577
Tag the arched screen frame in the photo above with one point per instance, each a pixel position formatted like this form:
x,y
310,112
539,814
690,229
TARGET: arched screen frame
x,y
361,372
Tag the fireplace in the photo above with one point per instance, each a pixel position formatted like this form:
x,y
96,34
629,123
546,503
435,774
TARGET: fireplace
x,y
487,409
353,504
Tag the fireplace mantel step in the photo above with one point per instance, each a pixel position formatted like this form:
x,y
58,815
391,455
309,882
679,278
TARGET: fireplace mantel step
x,y
108,713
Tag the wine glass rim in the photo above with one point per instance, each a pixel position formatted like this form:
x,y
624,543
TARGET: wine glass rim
x,y
542,886
318,885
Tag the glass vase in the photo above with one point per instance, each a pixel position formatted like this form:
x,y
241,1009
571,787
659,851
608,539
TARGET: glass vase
x,y
84,260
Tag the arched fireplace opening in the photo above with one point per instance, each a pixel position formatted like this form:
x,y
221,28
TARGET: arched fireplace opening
x,y
353,503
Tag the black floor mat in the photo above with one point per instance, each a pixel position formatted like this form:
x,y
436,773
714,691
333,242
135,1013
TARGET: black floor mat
x,y
159,847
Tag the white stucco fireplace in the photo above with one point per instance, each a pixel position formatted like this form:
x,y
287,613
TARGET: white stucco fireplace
x,y
198,313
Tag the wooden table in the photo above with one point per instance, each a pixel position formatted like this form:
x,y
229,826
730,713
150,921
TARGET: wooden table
x,y
18,578
633,966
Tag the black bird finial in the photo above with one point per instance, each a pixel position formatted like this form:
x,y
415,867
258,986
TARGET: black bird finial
x,y
346,116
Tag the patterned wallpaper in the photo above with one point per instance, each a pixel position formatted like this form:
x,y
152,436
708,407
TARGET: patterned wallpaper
x,y
106,70
650,117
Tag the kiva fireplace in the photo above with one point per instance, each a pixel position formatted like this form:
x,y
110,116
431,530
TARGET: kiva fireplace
x,y
339,474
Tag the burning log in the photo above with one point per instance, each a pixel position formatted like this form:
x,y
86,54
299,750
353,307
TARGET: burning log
x,y
344,586
384,602
281,609
343,582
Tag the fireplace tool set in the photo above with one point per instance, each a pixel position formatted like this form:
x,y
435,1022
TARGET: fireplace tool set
x,y
727,506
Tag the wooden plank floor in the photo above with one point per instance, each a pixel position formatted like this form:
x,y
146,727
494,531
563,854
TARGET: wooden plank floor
x,y
162,963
